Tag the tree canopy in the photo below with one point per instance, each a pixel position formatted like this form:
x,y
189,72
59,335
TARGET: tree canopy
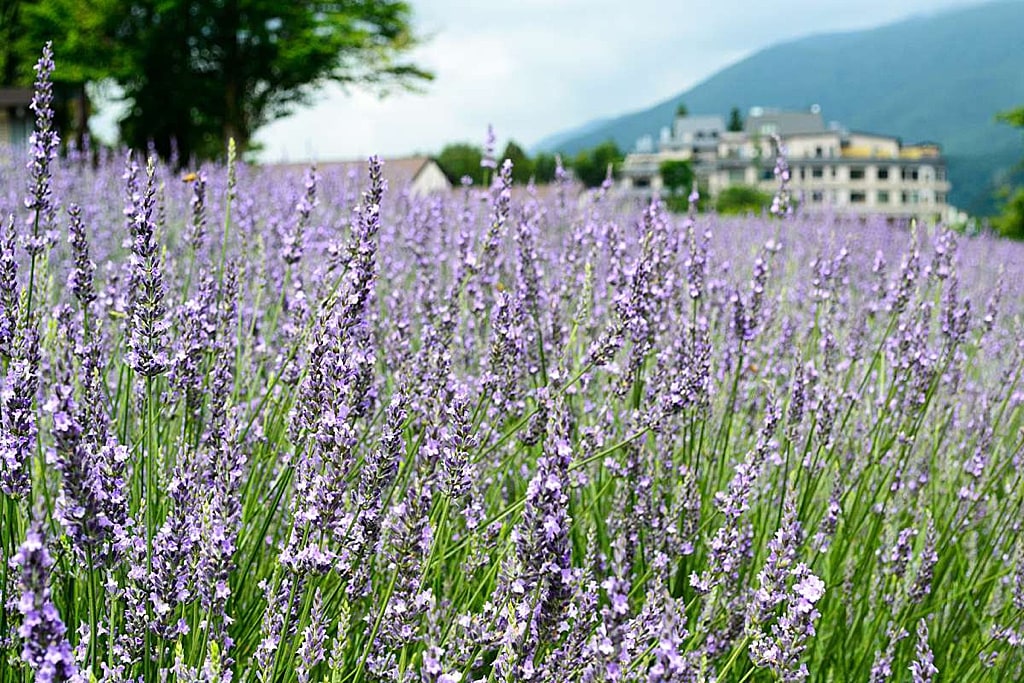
x,y
544,167
676,174
1010,221
461,160
741,199
735,120
198,72
522,167
591,165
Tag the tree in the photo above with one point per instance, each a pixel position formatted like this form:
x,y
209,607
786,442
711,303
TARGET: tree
x,y
9,55
20,49
1010,221
735,120
459,160
682,111
522,167
591,166
676,174
198,72
680,203
741,199
544,166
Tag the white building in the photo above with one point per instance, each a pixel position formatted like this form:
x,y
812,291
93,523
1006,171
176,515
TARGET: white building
x,y
831,169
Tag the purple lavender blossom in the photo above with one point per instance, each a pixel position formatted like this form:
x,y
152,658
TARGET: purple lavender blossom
x,y
881,667
197,226
314,637
93,499
80,280
9,304
781,202
726,546
147,326
43,144
376,478
45,646
293,247
782,553
18,428
541,584
927,559
922,669
457,443
783,650
488,160
272,628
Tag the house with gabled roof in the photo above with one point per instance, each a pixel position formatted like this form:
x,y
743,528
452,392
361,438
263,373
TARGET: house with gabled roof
x,y
421,175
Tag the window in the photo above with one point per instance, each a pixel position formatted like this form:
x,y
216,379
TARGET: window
x,y
940,174
883,197
737,175
858,197
856,173
883,174
909,174
817,196
817,152
911,197
641,182
832,172
767,174
940,197
817,172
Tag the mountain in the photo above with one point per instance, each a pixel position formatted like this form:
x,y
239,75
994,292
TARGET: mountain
x,y
558,140
938,78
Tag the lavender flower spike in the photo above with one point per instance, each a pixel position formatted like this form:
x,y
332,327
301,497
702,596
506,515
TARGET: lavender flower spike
x,y
43,143
488,160
80,281
781,203
147,324
18,427
9,304
922,669
45,644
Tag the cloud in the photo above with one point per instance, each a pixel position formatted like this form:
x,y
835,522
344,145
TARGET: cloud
x,y
534,67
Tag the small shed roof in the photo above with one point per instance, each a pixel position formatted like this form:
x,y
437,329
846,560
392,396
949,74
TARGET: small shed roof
x,y
15,97
398,172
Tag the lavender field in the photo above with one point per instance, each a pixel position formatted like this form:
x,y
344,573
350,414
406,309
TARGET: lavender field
x,y
263,426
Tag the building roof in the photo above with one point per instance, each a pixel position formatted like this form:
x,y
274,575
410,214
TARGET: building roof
x,y
784,123
703,122
398,172
812,134
880,136
15,97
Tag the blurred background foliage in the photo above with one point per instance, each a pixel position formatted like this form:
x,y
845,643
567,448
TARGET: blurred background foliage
x,y
198,72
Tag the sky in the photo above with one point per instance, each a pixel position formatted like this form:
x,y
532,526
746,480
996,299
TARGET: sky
x,y
536,67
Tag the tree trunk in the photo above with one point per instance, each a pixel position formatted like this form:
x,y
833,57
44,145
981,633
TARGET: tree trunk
x,y
81,114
